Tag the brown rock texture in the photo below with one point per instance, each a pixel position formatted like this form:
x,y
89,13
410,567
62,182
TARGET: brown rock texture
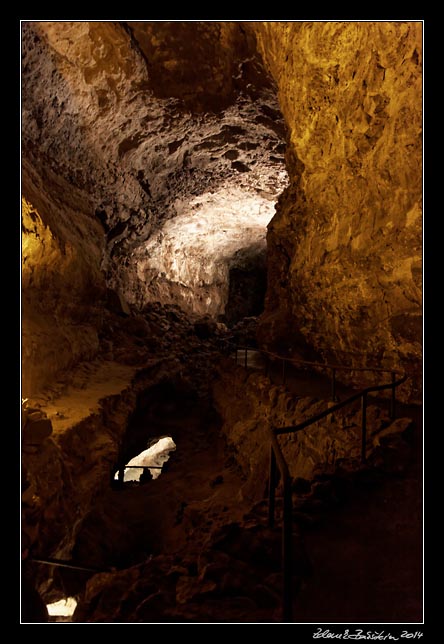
x,y
214,587
61,291
137,136
73,432
250,404
121,133
62,478
345,244
155,154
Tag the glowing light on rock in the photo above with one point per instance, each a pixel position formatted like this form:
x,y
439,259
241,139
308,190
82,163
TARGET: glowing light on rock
x,y
215,227
156,455
62,608
188,260
31,229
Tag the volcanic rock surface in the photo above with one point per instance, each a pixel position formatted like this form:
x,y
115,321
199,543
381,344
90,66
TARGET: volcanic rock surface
x,y
149,171
155,155
345,245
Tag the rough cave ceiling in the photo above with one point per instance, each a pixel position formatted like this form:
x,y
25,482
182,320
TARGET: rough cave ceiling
x,y
149,122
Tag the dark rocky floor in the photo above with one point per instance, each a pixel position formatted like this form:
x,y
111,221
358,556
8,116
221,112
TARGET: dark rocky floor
x,y
366,550
188,548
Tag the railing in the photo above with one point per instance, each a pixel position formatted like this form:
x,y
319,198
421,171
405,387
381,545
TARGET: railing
x,y
63,563
269,356
277,458
122,468
143,467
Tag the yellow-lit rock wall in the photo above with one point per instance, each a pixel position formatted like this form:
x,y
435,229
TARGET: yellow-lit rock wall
x,y
60,298
345,246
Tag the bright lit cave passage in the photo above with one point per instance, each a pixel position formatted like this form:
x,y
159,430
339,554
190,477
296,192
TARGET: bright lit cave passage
x,y
62,608
153,459
211,259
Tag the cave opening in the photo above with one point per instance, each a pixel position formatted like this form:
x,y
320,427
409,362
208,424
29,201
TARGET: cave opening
x,y
145,521
64,608
147,465
161,412
247,286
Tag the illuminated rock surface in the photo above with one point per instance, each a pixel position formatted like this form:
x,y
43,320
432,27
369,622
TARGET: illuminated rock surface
x,y
121,133
134,135
123,145
155,155
345,246
155,455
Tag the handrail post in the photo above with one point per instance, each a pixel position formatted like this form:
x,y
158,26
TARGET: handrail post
x,y
364,427
393,399
333,385
287,564
246,358
271,488
283,371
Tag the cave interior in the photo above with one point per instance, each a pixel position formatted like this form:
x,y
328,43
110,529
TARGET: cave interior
x,y
221,240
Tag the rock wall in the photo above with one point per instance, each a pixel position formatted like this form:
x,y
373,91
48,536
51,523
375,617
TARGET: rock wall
x,y
136,134
345,244
62,479
62,288
249,404
151,360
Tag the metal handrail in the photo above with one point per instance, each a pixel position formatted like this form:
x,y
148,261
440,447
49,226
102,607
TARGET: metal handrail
x,y
144,467
323,365
62,563
277,458
337,406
